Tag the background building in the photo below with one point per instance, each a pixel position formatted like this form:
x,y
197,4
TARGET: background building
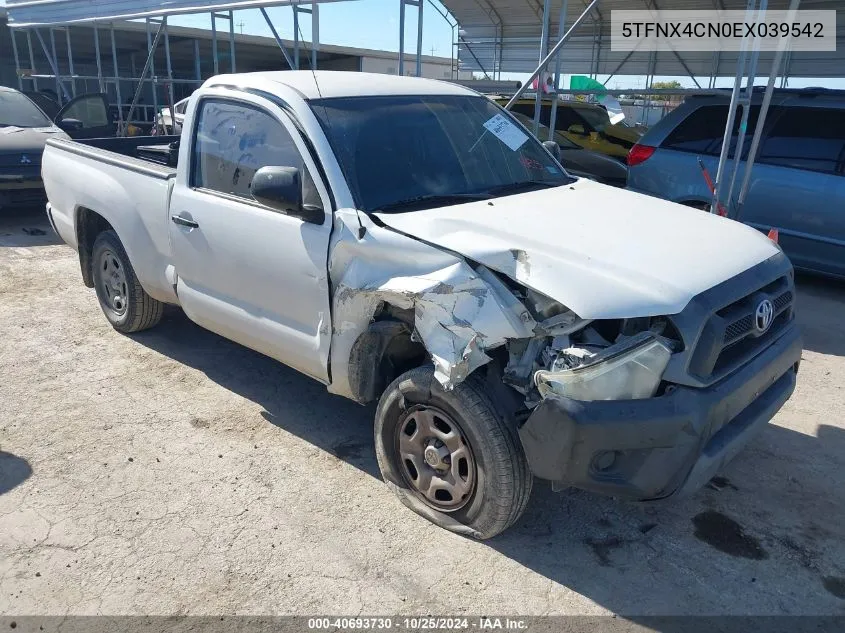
x,y
191,60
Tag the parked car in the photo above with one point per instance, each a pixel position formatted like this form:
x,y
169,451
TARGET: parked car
x,y
798,180
579,161
179,109
585,124
25,128
404,241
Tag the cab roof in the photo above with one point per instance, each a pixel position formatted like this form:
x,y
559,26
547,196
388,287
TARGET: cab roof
x,y
326,84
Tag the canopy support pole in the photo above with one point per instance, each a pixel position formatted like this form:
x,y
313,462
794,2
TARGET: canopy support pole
x,y
726,139
100,82
544,48
17,59
278,39
116,79
147,66
51,59
31,58
761,118
555,50
553,118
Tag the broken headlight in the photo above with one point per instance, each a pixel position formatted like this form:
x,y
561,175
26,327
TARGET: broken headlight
x,y
631,370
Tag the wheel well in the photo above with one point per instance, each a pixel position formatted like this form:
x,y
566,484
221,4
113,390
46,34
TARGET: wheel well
x,y
381,354
89,224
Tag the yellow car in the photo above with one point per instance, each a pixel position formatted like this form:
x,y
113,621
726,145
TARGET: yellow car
x,y
584,124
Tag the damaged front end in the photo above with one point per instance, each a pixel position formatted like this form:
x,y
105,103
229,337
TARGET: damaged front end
x,y
588,360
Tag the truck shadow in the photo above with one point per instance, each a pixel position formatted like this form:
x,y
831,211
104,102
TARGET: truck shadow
x,y
291,401
14,471
821,304
775,515
26,226
782,500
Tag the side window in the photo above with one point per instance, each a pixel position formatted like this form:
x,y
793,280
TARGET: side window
x,y
566,118
703,129
90,111
806,138
233,141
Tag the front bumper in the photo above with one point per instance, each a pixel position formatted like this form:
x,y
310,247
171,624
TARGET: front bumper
x,y
665,446
17,190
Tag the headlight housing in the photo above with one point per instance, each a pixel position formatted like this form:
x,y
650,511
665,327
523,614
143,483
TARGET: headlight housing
x,y
629,371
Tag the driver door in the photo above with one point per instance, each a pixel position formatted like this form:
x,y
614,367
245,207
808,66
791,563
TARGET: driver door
x,y
248,272
86,116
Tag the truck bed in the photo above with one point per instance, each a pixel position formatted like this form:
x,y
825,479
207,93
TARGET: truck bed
x,y
128,180
161,150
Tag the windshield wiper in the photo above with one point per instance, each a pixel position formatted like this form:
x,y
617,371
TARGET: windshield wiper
x,y
432,200
526,184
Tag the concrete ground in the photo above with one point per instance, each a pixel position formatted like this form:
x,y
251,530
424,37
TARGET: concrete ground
x,y
173,472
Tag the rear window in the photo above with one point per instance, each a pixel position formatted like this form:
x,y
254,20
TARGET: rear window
x,y
806,138
702,131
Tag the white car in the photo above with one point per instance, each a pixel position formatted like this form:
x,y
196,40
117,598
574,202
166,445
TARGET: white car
x,y
164,119
405,241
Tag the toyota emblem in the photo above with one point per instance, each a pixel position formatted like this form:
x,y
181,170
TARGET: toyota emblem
x,y
764,315
25,160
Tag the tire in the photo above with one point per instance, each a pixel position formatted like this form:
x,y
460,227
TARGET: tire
x,y
495,481
124,302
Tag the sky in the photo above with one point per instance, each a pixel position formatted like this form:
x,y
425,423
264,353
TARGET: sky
x,y
364,23
375,24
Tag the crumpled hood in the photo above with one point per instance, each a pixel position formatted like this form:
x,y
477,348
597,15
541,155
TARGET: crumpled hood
x,y
603,252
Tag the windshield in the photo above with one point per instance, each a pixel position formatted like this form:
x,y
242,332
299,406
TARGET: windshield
x,y
402,152
18,111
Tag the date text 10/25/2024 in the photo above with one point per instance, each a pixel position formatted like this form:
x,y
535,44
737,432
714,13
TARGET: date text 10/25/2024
x,y
427,623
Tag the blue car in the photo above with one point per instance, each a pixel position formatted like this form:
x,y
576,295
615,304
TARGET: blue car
x,y
798,181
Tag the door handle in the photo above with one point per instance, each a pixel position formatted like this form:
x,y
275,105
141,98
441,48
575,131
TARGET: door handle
x,y
178,219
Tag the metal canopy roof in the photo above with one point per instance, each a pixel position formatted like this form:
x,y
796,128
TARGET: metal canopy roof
x,y
25,13
504,35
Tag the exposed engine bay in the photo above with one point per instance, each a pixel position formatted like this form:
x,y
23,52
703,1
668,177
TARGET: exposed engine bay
x,y
587,360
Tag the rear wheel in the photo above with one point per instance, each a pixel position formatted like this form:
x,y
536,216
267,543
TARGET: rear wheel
x,y
124,302
450,456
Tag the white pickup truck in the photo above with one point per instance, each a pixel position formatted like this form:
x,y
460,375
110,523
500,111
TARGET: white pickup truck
x,y
408,241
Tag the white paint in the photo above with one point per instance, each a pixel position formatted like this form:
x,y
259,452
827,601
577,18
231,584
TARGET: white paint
x,y
601,251
330,83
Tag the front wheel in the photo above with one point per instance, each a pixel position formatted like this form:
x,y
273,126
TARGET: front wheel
x,y
125,303
450,456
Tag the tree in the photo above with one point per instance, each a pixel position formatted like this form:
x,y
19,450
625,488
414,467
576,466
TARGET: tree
x,y
665,85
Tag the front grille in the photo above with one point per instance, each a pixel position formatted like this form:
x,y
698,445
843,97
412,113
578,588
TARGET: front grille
x,y
739,328
20,159
745,325
783,301
730,337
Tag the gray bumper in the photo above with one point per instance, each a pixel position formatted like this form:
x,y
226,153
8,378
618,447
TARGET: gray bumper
x,y
665,446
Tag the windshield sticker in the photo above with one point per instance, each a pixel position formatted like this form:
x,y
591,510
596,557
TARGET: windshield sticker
x,y
552,170
507,132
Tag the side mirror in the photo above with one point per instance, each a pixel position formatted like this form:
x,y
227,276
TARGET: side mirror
x,y
70,125
576,129
553,149
280,188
